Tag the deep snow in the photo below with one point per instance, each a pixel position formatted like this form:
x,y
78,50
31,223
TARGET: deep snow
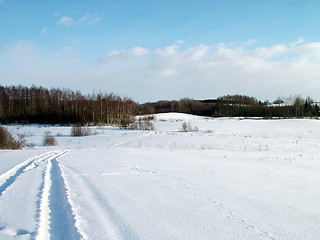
x,y
232,179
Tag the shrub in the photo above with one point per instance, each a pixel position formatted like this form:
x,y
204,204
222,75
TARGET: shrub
x,y
49,141
22,139
79,131
7,141
186,127
143,124
127,122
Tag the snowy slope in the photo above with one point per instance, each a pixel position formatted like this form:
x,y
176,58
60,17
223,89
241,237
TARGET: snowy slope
x,y
232,179
176,117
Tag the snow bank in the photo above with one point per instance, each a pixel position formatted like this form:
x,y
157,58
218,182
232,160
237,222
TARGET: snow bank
x,y
174,117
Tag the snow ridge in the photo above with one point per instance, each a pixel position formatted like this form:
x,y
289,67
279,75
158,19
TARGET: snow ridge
x,y
43,230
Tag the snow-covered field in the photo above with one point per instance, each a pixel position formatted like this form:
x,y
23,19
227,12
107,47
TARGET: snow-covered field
x,y
232,179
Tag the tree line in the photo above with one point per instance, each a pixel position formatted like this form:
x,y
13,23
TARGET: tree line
x,y
238,106
63,106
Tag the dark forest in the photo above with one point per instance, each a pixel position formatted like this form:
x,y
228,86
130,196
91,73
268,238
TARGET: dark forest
x,y
41,105
237,106
20,104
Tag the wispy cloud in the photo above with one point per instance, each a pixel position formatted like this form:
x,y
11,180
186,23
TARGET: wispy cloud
x,y
95,19
250,42
88,18
85,18
67,21
179,42
125,55
299,41
44,30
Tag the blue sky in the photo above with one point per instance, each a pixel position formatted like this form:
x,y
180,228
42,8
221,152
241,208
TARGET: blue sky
x,y
152,50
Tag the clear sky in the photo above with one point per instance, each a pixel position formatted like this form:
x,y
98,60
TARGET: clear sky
x,y
152,50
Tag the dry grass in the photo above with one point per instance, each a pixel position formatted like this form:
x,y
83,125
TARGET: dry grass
x,y
49,141
79,131
186,127
7,141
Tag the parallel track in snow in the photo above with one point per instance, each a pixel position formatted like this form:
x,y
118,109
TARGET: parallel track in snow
x,y
56,218
9,177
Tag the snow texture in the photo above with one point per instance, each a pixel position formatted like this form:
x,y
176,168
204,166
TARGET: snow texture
x,y
232,179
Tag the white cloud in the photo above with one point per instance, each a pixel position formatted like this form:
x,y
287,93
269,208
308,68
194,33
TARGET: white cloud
x,y
201,71
197,53
210,71
125,55
169,50
179,42
269,52
88,18
111,54
139,51
67,21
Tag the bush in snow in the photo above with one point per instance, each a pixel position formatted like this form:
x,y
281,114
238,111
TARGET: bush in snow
x,y
7,141
186,127
49,140
79,131
143,124
127,122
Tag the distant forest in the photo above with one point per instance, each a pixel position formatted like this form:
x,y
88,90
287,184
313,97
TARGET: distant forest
x,y
64,106
41,105
238,106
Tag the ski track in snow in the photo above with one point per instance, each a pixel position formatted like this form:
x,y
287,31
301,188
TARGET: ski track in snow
x,y
43,229
110,221
54,216
57,214
56,219
9,177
